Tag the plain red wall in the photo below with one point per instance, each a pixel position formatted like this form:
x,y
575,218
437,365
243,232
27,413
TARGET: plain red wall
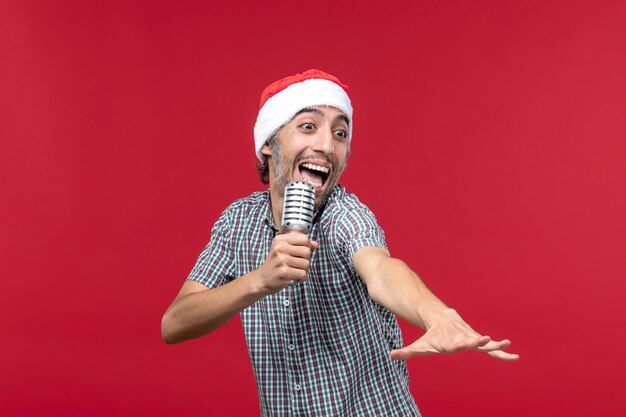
x,y
490,141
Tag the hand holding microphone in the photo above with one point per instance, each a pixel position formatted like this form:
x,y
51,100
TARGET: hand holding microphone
x,y
290,254
298,207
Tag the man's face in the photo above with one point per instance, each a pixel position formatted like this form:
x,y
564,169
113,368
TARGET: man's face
x,y
312,147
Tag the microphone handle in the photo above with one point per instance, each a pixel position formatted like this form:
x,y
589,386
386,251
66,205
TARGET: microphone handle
x,y
298,206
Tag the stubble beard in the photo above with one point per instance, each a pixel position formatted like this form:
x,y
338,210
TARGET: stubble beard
x,y
282,167
281,170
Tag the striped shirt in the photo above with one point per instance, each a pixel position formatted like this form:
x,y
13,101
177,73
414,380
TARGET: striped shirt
x,y
318,348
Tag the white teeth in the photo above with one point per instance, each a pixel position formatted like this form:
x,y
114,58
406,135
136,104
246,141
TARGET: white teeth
x,y
316,168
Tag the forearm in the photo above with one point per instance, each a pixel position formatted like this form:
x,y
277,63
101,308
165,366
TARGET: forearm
x,y
392,284
199,313
198,310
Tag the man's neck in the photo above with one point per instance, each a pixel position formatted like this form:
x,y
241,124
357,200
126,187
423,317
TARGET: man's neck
x,y
276,206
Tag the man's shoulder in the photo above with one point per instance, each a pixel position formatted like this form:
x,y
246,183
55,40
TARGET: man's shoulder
x,y
257,198
254,205
351,222
344,206
343,200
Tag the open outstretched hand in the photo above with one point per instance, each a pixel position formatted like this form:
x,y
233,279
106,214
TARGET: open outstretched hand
x,y
449,334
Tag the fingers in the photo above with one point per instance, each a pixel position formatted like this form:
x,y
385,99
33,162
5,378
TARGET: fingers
x,y
297,239
409,352
473,343
495,349
289,259
300,252
499,354
426,347
296,244
403,354
293,274
291,268
495,345
457,346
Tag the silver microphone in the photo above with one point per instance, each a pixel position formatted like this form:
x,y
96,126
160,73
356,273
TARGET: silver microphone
x,y
298,207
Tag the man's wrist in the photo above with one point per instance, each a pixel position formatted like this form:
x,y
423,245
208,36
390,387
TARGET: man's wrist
x,y
255,287
435,314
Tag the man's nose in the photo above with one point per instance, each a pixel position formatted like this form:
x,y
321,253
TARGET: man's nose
x,y
324,142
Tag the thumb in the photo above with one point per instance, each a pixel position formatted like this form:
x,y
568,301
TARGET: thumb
x,y
417,348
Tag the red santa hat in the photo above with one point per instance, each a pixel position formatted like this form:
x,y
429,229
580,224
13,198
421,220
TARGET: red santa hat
x,y
281,100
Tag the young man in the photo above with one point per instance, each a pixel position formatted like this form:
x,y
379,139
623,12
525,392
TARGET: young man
x,y
330,344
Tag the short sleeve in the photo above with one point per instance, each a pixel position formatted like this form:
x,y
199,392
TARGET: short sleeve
x,y
215,266
357,229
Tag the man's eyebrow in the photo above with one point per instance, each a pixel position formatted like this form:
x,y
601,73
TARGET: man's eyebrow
x,y
309,110
344,118
315,110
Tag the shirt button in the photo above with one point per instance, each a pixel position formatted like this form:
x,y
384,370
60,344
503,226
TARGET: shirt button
x,y
291,347
297,387
286,303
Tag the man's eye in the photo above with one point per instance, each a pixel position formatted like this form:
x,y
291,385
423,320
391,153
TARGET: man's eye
x,y
307,126
342,134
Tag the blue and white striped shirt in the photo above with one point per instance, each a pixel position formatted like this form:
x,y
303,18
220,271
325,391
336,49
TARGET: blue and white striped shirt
x,y
319,348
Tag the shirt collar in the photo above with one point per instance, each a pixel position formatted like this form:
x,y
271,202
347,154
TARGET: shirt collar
x,y
269,217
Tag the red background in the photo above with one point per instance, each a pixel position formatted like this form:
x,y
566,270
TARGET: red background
x,y
490,141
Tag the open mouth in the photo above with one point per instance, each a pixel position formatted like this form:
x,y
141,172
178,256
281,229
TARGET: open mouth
x,y
315,175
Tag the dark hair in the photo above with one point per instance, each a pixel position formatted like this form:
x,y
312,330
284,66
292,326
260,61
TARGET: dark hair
x,y
264,168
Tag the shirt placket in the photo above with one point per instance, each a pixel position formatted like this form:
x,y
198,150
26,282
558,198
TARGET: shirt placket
x,y
292,348
294,339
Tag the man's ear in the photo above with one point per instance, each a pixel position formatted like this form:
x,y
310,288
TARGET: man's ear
x,y
266,150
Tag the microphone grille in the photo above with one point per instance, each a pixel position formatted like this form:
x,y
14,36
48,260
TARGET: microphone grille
x,y
298,207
